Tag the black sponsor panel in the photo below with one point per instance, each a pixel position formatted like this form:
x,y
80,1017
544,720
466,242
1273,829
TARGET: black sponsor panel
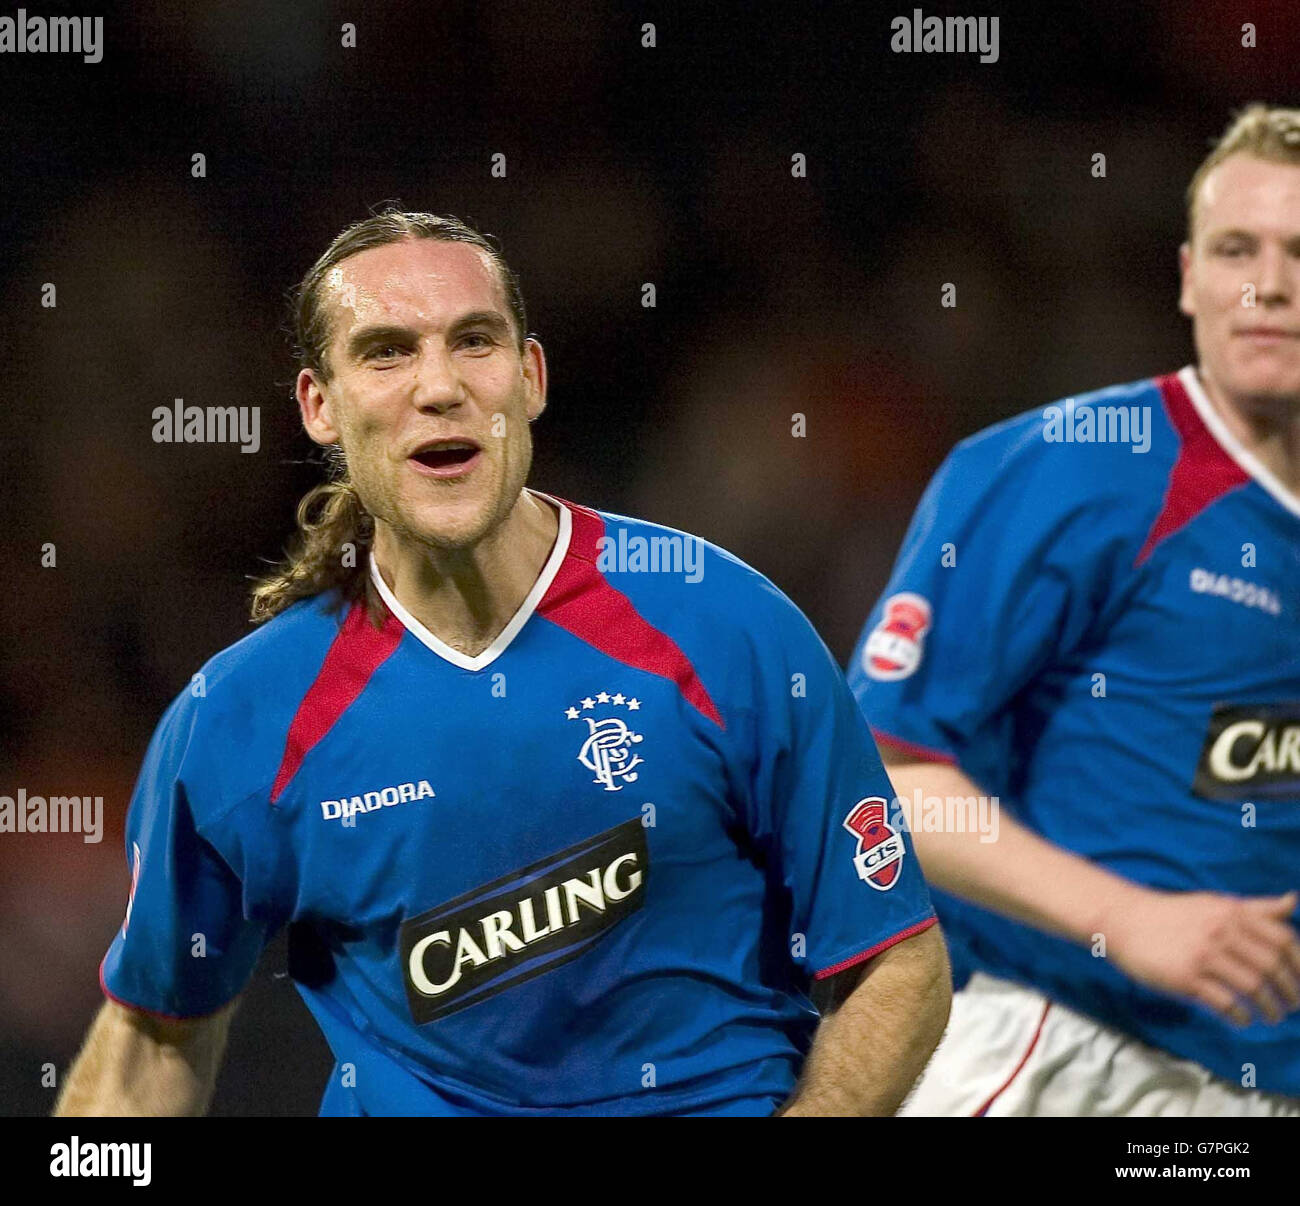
x,y
524,924
1251,751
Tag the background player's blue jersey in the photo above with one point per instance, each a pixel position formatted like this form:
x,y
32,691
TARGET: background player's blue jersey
x,y
1107,639
593,869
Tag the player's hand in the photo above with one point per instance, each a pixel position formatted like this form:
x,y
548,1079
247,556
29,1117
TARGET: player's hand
x,y
1231,953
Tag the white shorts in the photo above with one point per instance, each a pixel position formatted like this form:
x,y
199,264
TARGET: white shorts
x,y
1010,1052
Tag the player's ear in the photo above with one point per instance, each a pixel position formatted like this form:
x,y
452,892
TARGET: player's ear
x,y
1185,303
534,368
315,408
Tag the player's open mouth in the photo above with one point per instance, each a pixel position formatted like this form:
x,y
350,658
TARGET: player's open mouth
x,y
445,458
1267,334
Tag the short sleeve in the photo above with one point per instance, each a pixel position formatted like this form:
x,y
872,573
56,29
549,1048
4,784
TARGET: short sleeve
x,y
821,805
1001,575
187,945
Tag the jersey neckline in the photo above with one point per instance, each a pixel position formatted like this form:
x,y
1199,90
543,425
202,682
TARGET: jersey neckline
x,y
1231,445
503,639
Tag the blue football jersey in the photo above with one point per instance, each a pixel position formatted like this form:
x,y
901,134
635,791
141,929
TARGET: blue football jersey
x,y
1095,615
593,869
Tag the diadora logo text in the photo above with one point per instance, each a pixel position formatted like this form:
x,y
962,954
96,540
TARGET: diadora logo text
x,y
372,801
1237,590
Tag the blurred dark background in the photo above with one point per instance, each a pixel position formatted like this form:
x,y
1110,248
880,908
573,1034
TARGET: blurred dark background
x,y
625,165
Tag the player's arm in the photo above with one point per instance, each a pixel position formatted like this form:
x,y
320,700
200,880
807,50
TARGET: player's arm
x,y
135,1064
860,920
947,649
883,1022
1209,946
196,922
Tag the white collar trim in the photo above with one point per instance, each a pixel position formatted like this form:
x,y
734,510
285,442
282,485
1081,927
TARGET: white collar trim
x,y
517,621
1230,444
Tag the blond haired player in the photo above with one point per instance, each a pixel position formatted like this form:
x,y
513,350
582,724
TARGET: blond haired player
x,y
1095,619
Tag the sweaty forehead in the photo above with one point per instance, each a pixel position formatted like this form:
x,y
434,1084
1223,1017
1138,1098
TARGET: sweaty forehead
x,y
1246,191
416,281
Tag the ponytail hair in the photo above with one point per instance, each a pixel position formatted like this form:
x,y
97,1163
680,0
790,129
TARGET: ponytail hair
x,y
330,551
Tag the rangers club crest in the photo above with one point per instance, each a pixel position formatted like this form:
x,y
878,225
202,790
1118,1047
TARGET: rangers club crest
x,y
893,649
880,848
608,750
